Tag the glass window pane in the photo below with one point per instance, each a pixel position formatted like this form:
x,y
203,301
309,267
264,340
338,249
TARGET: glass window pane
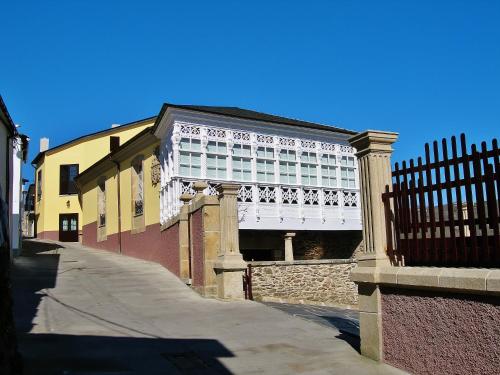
x,y
184,170
195,171
211,160
196,159
211,172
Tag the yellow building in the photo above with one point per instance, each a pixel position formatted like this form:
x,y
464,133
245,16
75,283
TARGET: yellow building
x,y
121,204
58,212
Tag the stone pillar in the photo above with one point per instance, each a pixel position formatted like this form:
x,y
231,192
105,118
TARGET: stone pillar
x,y
374,149
184,248
289,247
230,265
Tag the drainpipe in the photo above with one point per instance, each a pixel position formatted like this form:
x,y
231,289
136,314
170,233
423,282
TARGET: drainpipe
x,y
119,207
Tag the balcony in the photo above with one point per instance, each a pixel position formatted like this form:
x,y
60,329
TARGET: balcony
x,y
280,207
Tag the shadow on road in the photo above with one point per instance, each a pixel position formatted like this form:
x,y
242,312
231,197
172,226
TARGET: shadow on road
x,y
66,354
35,272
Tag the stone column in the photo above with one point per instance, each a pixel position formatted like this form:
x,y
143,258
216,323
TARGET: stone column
x,y
289,247
230,265
199,187
374,149
184,248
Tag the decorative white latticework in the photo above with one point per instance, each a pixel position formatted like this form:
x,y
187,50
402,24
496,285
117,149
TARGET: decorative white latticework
x,y
245,194
290,196
286,142
328,147
267,194
346,149
187,187
211,190
241,136
264,139
331,197
308,144
216,133
350,199
190,130
311,197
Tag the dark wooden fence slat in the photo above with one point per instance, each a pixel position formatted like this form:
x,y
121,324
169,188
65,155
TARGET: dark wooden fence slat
x,y
496,158
476,166
430,199
482,209
470,202
399,215
442,255
453,253
414,212
423,213
493,212
406,214
460,213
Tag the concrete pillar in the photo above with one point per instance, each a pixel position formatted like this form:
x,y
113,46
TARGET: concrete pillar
x,y
374,149
199,187
289,247
230,265
184,248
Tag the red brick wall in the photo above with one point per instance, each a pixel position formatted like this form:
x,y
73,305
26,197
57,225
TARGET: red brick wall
x,y
441,333
152,244
197,246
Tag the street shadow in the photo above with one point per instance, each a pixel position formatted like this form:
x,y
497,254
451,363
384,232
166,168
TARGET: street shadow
x,y
34,271
67,354
348,328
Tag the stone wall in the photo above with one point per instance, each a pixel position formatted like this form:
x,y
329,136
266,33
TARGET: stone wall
x,y
325,282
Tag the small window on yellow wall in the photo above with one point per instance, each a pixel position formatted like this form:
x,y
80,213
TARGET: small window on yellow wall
x,y
138,187
101,203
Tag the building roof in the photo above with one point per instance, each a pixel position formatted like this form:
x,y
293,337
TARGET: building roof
x,y
5,116
83,137
252,115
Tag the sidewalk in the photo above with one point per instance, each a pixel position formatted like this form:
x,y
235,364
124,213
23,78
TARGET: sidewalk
x,y
82,311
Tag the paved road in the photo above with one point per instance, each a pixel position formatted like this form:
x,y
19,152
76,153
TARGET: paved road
x,y
81,311
345,320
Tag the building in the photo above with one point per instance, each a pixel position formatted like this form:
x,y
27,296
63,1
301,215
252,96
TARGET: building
x,y
28,223
298,180
58,211
13,152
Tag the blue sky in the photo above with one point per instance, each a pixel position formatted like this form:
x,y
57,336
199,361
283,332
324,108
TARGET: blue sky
x,y
425,69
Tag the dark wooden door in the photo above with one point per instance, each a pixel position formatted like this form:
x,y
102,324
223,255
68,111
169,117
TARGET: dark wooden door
x,y
68,227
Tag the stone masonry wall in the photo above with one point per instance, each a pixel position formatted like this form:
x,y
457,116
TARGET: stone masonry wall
x,y
325,282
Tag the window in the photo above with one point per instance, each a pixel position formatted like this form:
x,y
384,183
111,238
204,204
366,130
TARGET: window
x,y
101,203
328,170
265,164
288,170
190,157
137,188
242,163
347,172
39,186
67,177
216,160
308,171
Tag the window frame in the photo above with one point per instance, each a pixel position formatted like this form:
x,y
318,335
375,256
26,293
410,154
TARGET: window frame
x,y
289,165
68,187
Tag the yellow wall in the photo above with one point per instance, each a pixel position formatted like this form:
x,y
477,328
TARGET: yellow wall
x,y
151,195
84,153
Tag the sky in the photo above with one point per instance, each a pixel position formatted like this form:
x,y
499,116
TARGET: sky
x,y
424,69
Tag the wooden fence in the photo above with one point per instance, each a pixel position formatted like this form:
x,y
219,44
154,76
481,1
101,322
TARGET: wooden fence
x,y
445,212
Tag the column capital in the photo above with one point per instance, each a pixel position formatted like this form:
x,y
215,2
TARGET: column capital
x,y
186,198
373,141
227,189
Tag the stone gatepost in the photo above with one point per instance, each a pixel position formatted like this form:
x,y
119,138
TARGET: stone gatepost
x,y
230,265
184,249
374,149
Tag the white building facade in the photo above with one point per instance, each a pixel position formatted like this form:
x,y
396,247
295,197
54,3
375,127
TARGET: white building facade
x,y
293,176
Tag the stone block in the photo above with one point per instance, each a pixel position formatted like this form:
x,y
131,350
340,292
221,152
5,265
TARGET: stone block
x,y
418,276
370,335
363,275
368,298
493,281
229,284
464,279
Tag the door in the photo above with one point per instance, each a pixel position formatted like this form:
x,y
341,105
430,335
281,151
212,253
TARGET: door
x,y
68,227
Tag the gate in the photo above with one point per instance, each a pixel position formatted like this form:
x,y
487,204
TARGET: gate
x,y
247,283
